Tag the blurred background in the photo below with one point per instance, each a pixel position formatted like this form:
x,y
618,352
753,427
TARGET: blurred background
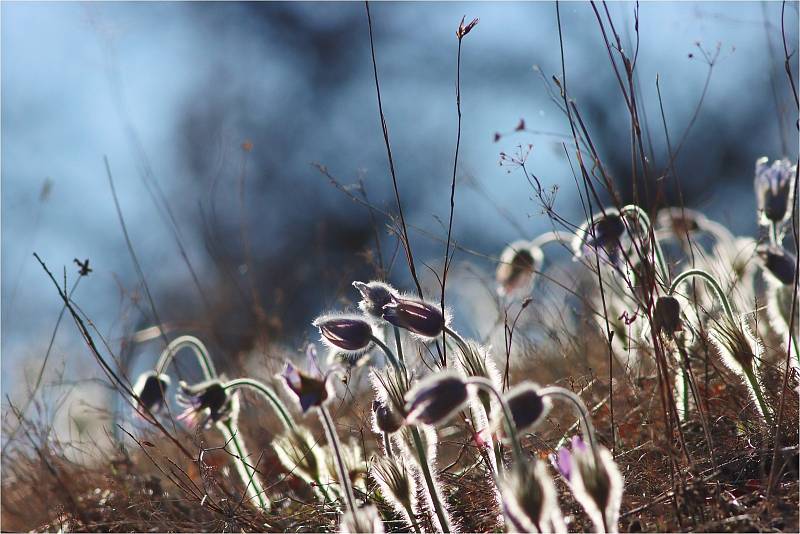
x,y
213,115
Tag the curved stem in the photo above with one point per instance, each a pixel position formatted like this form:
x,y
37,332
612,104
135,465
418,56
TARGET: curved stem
x,y
554,236
200,352
389,354
691,273
433,491
333,440
487,385
268,393
580,407
642,219
460,341
254,489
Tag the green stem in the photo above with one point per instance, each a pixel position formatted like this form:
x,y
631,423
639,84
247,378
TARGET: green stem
x,y
248,474
389,354
333,440
200,352
398,344
699,273
511,429
426,474
268,393
642,218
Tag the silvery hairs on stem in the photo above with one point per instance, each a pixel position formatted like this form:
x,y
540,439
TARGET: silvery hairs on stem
x,y
398,485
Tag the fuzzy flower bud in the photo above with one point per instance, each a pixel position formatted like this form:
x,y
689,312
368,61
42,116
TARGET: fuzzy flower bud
x,y
417,316
602,233
348,333
375,295
774,187
385,419
778,262
436,398
595,482
517,268
527,407
529,500
667,316
150,390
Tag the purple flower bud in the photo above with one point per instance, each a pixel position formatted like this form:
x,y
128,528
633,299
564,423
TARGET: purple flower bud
x,y
603,234
774,187
150,390
518,264
436,398
375,296
667,316
564,463
309,390
385,419
206,403
527,407
349,333
778,262
417,316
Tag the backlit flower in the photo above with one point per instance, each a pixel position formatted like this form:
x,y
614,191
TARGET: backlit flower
x,y
437,398
206,403
348,333
774,187
309,390
601,234
417,316
150,390
517,268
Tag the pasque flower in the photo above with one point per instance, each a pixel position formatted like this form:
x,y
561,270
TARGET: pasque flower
x,y
206,403
595,481
530,501
384,418
417,316
436,398
150,389
309,389
517,268
778,262
602,233
375,295
527,406
667,315
774,187
348,333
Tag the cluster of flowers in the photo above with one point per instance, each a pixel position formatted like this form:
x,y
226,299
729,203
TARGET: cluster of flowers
x,y
408,409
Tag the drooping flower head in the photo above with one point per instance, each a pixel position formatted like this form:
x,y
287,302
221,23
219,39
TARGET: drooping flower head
x,y
518,265
595,482
528,408
206,403
436,398
150,390
311,390
779,263
346,332
774,187
602,234
384,418
667,316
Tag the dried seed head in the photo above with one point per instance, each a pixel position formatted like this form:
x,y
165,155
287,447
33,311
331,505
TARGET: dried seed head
x,y
375,295
527,406
603,234
348,333
736,345
309,390
395,480
437,398
517,268
667,316
206,403
774,187
150,390
384,418
779,263
529,499
367,520
353,459
417,316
